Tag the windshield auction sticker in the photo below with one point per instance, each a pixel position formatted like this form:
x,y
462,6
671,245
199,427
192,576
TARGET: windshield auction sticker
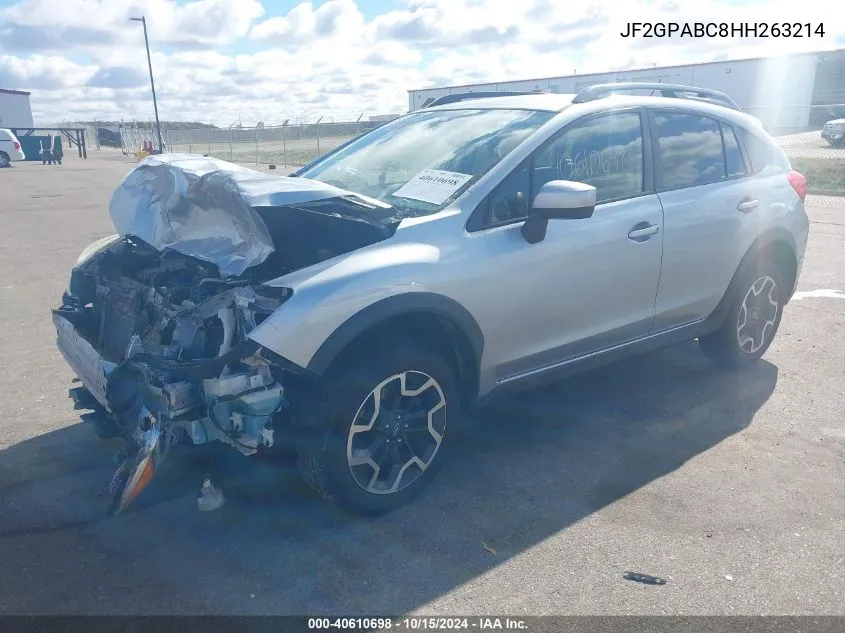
x,y
432,185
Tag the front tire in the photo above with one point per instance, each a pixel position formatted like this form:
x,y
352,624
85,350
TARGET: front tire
x,y
377,435
752,320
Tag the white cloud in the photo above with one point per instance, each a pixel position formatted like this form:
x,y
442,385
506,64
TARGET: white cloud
x,y
83,58
50,25
43,72
448,23
332,21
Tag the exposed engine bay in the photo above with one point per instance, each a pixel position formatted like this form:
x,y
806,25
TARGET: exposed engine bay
x,y
166,304
175,333
158,333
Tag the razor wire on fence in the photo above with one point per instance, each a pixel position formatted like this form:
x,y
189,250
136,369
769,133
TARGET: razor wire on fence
x,y
285,145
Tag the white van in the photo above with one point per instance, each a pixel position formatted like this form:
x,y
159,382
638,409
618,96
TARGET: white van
x,y
10,148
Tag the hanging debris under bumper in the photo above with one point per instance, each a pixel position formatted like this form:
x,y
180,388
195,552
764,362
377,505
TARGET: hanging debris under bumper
x,y
163,368
153,402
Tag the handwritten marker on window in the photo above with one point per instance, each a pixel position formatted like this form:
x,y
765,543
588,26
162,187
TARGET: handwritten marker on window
x,y
643,578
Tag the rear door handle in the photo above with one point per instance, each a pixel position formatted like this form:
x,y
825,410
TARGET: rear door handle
x,y
643,233
747,204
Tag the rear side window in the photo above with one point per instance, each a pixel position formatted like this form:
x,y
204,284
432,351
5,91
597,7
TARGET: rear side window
x,y
689,149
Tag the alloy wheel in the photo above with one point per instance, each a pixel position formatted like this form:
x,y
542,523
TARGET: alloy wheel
x,y
757,315
397,432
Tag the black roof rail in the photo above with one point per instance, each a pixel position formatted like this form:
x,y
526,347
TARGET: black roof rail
x,y
465,96
676,91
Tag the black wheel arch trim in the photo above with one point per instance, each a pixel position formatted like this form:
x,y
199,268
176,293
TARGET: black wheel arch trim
x,y
397,305
764,242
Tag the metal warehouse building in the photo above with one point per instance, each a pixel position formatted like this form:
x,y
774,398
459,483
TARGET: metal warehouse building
x,y
15,111
786,93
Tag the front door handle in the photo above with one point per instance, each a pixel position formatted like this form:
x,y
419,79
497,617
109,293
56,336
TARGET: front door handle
x,y
643,233
747,204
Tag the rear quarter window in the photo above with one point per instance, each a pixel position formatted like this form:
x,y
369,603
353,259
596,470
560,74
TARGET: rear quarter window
x,y
763,154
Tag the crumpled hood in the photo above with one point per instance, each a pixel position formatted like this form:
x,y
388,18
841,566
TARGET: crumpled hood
x,y
205,207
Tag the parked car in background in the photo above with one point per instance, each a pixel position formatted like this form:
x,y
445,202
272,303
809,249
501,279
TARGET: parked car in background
x,y
360,307
10,148
834,132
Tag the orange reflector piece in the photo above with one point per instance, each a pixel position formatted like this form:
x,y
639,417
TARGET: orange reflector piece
x,y
140,478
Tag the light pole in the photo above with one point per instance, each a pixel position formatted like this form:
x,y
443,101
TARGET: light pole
x,y
143,21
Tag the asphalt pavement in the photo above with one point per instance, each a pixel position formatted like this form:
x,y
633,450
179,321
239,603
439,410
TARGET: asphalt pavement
x,y
731,486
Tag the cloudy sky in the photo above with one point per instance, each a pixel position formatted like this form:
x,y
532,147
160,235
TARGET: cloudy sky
x,y
270,60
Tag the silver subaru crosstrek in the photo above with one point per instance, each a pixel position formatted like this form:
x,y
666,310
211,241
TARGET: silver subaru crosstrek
x,y
359,308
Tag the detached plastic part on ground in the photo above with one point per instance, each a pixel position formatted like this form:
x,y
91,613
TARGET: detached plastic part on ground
x,y
211,498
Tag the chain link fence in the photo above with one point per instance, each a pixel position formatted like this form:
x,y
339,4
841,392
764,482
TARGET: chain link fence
x,y
810,145
796,128
91,136
286,145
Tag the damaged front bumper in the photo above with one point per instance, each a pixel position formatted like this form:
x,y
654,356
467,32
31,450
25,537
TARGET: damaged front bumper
x,y
155,402
91,368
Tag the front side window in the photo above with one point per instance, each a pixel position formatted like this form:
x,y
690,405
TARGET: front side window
x,y
509,201
421,162
605,152
689,150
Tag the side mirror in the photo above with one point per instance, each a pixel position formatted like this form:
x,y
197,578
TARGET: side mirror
x,y
558,200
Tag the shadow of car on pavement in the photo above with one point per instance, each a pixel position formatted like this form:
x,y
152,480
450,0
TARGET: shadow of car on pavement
x,y
536,464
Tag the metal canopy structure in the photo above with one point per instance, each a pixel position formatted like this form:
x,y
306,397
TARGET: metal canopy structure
x,y
74,136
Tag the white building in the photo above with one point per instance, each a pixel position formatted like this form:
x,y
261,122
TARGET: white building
x,y
15,111
383,118
778,90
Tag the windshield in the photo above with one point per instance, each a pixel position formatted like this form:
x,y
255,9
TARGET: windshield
x,y
421,162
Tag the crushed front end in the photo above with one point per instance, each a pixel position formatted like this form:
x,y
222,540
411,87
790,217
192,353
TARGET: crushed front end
x,y
159,341
156,319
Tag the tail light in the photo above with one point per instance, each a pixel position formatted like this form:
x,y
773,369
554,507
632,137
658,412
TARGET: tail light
x,y
799,183
17,146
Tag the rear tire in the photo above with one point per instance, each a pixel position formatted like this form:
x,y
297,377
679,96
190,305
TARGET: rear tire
x,y
753,317
5,161
375,437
